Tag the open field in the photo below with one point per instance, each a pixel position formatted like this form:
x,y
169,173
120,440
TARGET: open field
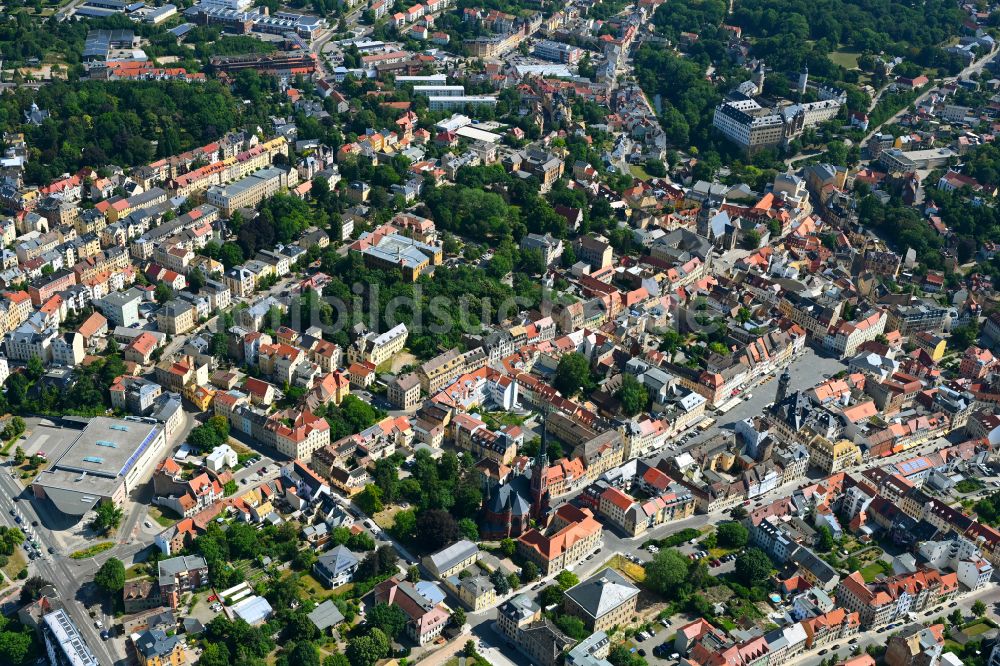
x,y
848,59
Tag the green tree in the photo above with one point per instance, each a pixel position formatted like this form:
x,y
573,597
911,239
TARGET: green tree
x,y
572,626
753,567
667,572
304,654
468,529
107,517
750,239
458,617
230,255
979,608
163,293
214,654
35,368
336,659
370,499
732,535
632,395
405,525
500,582
620,655
825,543
111,576
437,528
567,579
508,546
18,456
956,617
573,374
367,649
14,646
529,571
389,618
32,589
195,280
230,488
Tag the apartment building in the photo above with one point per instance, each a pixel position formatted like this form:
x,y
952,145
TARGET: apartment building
x,y
179,575
596,251
452,560
425,618
459,102
441,370
845,338
889,599
404,391
547,49
551,248
176,317
377,348
606,599
250,191
520,621
25,343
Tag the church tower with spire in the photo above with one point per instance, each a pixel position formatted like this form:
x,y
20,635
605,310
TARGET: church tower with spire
x,y
540,479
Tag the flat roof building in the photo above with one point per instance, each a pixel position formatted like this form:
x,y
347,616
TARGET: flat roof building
x,y
103,462
63,641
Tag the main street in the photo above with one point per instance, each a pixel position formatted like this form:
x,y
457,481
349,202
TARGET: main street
x,y
70,577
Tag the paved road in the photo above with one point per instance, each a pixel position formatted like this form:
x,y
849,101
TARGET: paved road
x,y
72,577
67,575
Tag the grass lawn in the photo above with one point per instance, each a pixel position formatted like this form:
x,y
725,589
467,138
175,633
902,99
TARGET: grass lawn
x,y
163,518
848,59
630,569
387,518
976,629
91,551
314,588
498,419
139,570
872,570
639,172
15,563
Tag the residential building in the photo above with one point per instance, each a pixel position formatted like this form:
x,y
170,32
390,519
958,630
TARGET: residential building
x,y
155,648
335,567
404,391
63,642
179,575
606,599
377,348
176,317
425,618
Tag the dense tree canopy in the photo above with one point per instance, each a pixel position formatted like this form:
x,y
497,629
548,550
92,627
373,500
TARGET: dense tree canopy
x,y
93,123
